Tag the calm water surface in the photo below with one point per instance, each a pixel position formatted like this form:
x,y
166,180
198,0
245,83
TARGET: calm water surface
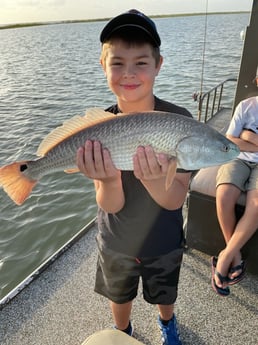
x,y
50,73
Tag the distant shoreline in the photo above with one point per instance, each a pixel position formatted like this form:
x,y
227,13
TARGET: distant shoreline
x,y
21,25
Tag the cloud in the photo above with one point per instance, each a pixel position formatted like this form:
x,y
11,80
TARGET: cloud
x,y
15,4
41,3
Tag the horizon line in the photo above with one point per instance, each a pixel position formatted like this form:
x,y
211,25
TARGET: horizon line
x,y
67,21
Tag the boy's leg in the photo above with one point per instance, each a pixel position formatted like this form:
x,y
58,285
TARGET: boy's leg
x,y
166,311
168,325
121,314
226,199
231,179
160,277
244,229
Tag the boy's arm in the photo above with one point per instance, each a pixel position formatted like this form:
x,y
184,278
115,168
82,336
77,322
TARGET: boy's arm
x,y
249,136
174,197
152,172
110,194
242,143
95,163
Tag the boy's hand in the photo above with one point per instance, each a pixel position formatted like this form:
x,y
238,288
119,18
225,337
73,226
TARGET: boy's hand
x,y
147,166
96,163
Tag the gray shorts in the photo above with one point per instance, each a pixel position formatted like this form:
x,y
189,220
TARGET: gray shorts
x,y
242,174
118,275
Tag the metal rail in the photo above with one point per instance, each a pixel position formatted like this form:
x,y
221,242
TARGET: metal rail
x,y
210,103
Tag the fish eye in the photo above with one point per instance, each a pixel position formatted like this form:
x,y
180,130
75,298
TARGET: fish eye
x,y
23,167
225,148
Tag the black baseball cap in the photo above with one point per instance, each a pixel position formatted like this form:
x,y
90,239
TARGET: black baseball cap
x,y
134,19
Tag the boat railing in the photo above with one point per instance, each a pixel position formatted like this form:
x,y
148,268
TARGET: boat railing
x,y
210,103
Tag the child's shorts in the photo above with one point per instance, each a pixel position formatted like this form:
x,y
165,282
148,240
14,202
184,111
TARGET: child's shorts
x,y
240,173
118,275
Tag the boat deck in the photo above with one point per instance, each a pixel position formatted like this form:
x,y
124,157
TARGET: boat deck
x,y
221,120
60,306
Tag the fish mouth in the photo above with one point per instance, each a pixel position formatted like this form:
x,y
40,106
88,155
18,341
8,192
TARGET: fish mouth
x,y
232,147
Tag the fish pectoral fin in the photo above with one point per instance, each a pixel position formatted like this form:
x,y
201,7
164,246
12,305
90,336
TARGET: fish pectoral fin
x,y
71,171
171,173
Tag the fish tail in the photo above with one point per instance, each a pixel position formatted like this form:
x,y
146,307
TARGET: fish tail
x,y
15,183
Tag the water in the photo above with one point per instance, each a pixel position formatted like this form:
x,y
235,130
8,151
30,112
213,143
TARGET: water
x,y
50,73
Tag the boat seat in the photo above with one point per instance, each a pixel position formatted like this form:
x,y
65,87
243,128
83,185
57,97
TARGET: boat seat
x,y
202,229
111,337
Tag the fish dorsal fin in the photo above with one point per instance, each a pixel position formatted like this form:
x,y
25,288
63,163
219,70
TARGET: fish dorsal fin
x,y
72,126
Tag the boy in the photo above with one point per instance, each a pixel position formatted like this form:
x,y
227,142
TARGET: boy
x,y
239,175
140,223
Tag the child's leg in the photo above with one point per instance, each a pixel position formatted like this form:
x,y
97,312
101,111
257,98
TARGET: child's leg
x,y
166,311
121,314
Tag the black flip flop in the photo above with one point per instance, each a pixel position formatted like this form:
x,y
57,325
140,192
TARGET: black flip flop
x,y
220,291
237,279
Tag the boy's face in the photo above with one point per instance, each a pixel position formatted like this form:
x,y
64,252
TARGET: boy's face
x,y
130,70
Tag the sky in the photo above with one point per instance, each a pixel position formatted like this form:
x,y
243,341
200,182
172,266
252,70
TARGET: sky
x,y
24,11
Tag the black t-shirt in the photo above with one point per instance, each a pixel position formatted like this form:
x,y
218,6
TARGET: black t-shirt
x,y
142,228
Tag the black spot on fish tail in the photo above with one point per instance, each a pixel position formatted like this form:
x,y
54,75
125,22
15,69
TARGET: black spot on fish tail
x,y
23,167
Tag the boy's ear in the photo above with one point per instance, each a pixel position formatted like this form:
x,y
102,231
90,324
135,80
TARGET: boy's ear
x,y
159,64
161,60
103,65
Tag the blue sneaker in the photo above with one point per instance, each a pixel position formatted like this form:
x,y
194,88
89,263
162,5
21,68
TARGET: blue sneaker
x,y
169,333
129,330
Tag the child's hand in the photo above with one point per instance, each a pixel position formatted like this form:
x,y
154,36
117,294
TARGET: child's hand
x,y
147,166
95,162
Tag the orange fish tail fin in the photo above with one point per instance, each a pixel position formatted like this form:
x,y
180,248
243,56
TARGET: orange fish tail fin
x,y
16,184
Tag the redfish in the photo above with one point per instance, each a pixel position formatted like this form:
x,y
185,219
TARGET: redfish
x,y
189,143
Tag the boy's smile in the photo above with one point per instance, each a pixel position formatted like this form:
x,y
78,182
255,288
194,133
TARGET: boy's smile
x,y
130,86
